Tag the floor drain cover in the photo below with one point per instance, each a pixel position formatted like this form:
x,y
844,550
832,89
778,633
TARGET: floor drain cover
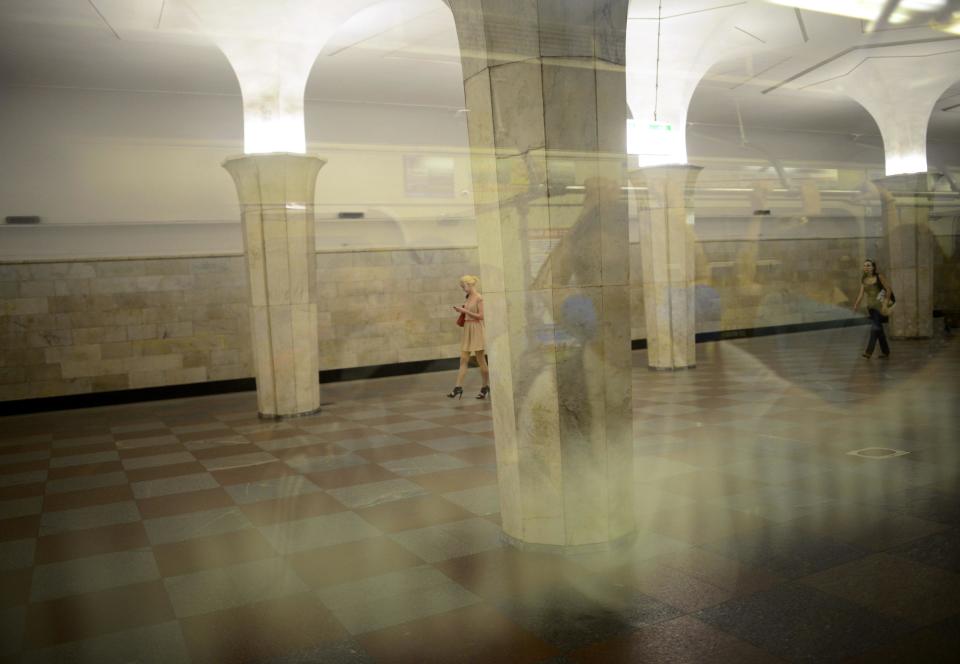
x,y
877,453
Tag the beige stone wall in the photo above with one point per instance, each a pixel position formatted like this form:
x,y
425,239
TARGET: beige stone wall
x,y
90,326
71,328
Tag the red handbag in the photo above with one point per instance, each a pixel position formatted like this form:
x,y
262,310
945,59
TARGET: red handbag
x,y
462,319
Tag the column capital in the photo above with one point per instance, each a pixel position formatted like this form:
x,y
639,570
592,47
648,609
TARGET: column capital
x,y
274,178
905,188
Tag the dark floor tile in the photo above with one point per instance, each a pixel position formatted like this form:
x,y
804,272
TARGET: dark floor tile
x,y
24,467
456,479
183,503
225,450
260,632
472,635
670,585
867,528
378,454
785,551
347,651
58,452
424,435
351,561
802,624
92,614
569,617
15,587
53,502
85,470
900,588
18,491
213,551
683,640
90,542
504,573
20,527
291,508
702,523
936,644
939,550
362,474
416,512
143,433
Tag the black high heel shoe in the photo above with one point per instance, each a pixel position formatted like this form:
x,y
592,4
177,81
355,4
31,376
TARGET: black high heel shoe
x,y
457,393
484,391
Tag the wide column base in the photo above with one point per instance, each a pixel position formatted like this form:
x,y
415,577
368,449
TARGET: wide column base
x,y
276,193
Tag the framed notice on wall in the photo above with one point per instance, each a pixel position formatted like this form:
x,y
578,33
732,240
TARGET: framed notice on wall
x,y
428,176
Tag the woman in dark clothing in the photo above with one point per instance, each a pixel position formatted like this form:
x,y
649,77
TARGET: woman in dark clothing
x,y
878,294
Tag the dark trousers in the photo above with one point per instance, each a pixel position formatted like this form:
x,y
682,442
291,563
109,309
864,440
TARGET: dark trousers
x,y
876,333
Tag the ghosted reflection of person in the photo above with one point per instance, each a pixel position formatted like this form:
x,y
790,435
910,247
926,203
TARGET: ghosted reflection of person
x,y
471,337
878,294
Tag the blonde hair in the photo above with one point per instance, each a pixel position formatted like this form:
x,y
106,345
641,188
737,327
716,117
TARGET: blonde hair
x,y
469,279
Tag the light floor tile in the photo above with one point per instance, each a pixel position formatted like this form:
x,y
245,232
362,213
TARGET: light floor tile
x,y
322,463
457,443
156,644
450,540
84,575
232,586
10,509
83,459
17,554
86,482
158,460
375,493
430,463
152,441
315,532
372,442
166,486
12,623
198,524
17,479
480,500
89,517
238,461
395,598
277,487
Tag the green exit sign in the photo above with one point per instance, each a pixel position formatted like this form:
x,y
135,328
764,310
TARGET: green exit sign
x,y
660,126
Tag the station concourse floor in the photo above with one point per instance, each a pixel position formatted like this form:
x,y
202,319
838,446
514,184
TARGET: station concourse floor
x,y
191,531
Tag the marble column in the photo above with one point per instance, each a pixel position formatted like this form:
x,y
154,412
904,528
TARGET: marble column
x,y
276,194
667,250
544,86
905,209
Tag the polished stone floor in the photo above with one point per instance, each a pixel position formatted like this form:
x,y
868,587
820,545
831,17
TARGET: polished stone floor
x,y
190,531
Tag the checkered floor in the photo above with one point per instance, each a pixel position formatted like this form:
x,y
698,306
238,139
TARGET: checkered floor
x,y
191,531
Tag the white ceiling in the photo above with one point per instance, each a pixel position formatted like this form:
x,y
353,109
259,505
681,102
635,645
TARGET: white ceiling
x,y
405,52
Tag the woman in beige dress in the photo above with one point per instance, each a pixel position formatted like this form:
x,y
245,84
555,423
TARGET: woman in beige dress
x,y
471,337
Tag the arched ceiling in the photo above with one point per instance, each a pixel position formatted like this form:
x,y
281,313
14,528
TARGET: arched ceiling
x,y
405,52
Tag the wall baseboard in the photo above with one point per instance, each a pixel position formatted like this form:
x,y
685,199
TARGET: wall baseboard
x,y
117,397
